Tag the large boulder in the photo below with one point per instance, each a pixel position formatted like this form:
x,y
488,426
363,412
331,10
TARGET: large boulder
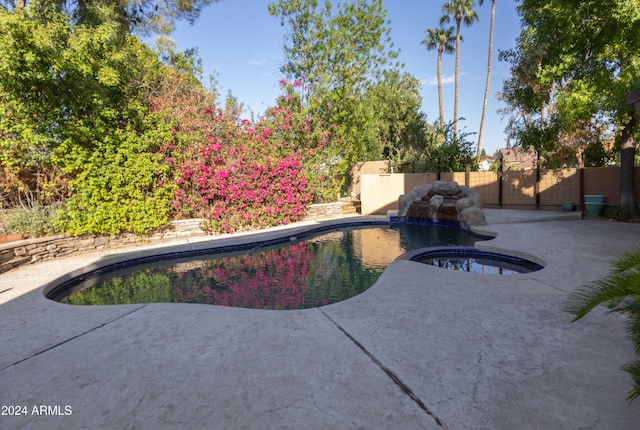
x,y
472,216
443,200
406,200
420,209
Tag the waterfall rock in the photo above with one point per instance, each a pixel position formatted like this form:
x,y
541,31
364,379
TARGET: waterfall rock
x,y
443,200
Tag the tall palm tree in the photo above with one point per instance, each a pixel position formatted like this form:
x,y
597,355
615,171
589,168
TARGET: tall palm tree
x,y
461,11
441,39
486,88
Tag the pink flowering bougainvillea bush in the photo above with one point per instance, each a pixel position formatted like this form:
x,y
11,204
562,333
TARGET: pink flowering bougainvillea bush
x,y
321,150
239,175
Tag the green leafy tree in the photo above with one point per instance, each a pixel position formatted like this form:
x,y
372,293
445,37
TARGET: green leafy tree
x,y
454,154
443,40
143,16
396,103
532,122
461,11
432,153
337,53
585,54
74,100
527,95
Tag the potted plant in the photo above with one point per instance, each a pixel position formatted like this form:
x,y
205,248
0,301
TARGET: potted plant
x,y
594,204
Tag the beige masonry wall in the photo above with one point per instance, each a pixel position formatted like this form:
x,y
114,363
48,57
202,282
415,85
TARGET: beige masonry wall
x,y
380,192
375,167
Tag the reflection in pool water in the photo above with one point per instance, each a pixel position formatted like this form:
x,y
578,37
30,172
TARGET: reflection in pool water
x,y
478,263
323,269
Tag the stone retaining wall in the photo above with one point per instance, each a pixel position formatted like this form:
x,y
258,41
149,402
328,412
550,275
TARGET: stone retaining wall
x,y
14,254
323,211
28,251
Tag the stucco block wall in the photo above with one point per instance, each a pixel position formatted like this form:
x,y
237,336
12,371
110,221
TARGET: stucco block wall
x,y
380,192
363,168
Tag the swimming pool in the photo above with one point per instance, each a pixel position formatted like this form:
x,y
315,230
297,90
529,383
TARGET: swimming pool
x,y
312,269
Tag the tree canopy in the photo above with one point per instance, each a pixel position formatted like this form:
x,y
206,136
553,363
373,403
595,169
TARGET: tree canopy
x,y
345,59
574,62
143,16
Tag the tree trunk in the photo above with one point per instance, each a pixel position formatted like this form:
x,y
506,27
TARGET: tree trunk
x,y
486,88
455,97
627,161
440,89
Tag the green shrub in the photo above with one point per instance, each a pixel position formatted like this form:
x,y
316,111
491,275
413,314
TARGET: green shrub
x,y
123,187
33,221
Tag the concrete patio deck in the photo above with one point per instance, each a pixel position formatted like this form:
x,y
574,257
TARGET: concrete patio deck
x,y
424,348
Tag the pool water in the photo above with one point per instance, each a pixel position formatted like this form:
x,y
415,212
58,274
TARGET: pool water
x,y
488,265
320,270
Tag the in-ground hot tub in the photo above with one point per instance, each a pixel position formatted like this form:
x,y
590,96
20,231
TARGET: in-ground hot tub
x,y
469,259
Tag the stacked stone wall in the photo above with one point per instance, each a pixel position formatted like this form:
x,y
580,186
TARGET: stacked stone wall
x,y
324,211
14,254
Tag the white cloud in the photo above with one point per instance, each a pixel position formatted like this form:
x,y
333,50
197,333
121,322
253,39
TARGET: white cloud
x,y
258,60
433,80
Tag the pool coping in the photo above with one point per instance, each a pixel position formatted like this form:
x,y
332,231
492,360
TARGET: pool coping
x,y
247,242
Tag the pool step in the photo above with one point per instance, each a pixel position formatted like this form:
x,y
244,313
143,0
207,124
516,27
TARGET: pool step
x,y
350,206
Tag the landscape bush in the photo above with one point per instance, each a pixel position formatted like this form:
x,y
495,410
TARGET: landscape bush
x,y
75,121
124,139
32,221
239,175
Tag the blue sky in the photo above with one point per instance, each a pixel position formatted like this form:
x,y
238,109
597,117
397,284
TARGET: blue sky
x,y
243,44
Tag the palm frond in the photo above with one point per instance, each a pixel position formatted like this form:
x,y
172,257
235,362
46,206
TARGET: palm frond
x,y
620,292
633,332
634,369
630,260
612,291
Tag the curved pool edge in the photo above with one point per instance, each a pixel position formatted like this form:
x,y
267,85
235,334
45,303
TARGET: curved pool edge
x,y
202,245
487,247
227,243
473,252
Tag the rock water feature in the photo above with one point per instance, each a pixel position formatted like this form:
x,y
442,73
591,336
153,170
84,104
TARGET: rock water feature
x,y
443,200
